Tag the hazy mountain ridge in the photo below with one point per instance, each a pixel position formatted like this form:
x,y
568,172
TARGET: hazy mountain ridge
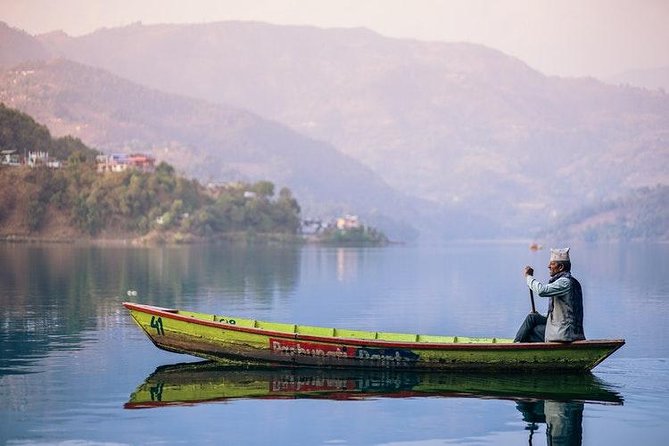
x,y
458,124
651,78
211,142
642,214
452,123
18,46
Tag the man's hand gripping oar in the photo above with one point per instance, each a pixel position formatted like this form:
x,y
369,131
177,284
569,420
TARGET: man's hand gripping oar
x,y
529,271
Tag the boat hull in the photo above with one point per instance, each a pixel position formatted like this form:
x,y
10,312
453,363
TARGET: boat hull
x,y
227,339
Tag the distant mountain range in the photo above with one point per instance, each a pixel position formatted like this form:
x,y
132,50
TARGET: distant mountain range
x,y
212,142
455,136
653,78
642,214
18,46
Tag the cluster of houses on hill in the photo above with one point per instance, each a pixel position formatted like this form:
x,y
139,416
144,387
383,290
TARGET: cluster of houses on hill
x,y
32,159
117,162
316,226
346,230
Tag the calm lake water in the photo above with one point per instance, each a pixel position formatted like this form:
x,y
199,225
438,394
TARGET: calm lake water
x,y
74,368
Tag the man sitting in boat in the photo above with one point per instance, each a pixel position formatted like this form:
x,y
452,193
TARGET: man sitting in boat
x,y
564,320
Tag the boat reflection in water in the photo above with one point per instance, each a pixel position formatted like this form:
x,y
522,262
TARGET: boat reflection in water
x,y
554,400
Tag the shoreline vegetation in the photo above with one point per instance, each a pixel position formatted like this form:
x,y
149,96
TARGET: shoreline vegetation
x,y
71,200
177,239
152,239
32,210
77,204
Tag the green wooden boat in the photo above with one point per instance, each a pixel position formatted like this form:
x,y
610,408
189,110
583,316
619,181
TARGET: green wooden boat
x,y
225,338
203,382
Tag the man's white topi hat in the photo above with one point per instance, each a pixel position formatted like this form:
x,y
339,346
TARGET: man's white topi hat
x,y
560,255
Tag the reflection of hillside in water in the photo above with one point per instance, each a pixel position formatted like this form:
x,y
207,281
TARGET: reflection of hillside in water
x,y
51,294
554,400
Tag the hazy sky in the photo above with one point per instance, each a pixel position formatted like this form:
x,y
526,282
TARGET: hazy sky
x,y
562,37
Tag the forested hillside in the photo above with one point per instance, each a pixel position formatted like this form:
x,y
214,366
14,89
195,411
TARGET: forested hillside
x,y
642,214
77,201
21,133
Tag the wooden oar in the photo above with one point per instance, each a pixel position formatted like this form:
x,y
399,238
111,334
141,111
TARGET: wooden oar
x,y
534,310
530,271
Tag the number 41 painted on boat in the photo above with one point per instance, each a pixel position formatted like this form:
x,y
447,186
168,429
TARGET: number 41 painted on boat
x,y
157,323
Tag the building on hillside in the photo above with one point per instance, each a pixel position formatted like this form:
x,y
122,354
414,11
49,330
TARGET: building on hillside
x,y
38,158
110,163
119,162
142,162
348,222
32,159
10,158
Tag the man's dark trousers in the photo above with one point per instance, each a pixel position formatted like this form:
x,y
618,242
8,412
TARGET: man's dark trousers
x,y
533,329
